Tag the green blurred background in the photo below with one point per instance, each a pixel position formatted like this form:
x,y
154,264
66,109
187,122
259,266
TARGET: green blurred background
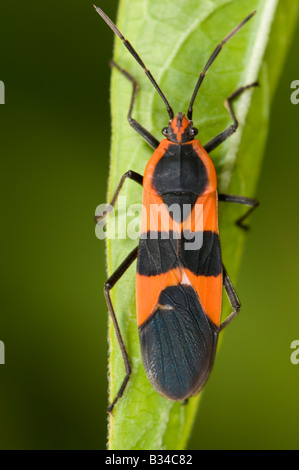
x,y
54,141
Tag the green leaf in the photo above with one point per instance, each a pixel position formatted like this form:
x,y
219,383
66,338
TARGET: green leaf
x,y
175,40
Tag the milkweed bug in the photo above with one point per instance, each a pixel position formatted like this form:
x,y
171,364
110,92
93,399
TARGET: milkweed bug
x,y
178,291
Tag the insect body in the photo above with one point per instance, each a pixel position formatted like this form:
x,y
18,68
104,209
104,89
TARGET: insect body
x,y
180,273
180,315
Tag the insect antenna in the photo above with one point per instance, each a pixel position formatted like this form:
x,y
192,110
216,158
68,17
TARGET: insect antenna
x,y
211,60
136,57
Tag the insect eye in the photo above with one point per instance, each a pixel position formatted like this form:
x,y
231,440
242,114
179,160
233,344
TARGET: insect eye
x,y
165,131
194,131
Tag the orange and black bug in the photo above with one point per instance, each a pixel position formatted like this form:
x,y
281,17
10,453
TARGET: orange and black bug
x,y
178,290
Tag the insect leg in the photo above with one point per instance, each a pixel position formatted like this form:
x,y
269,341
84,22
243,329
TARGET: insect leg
x,y
129,174
220,138
147,136
232,297
108,286
247,201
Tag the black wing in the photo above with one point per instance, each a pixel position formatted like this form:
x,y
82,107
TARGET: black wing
x,y
178,344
